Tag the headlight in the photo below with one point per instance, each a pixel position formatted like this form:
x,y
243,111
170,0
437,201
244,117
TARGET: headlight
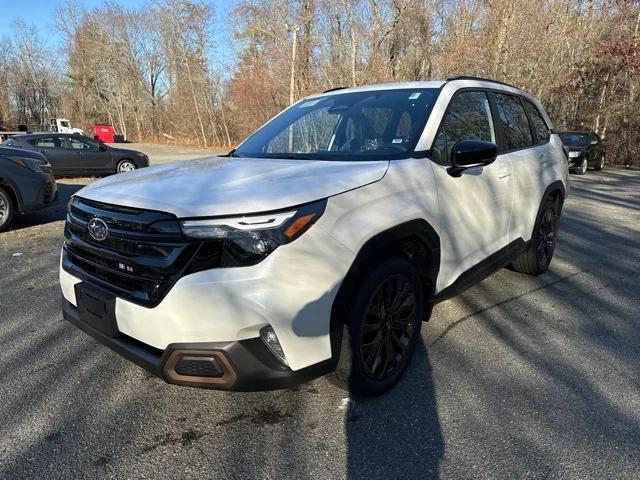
x,y
247,240
574,154
32,164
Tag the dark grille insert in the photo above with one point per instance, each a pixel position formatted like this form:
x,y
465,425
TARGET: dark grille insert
x,y
141,259
198,367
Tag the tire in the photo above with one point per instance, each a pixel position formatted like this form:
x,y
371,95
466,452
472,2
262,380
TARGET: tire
x,y
537,257
582,169
125,165
600,163
7,209
376,351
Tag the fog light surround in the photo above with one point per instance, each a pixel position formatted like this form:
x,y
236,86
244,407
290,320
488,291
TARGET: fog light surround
x,y
176,373
270,339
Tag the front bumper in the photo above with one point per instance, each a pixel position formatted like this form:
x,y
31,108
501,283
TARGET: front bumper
x,y
575,162
44,192
246,365
292,291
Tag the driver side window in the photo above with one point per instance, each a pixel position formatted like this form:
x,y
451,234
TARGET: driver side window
x,y
468,118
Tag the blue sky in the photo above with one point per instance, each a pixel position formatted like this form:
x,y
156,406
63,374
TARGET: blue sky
x,y
42,14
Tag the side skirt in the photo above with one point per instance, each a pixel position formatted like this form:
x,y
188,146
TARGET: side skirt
x,y
482,270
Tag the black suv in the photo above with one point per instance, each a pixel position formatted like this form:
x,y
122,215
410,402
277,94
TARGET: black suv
x,y
584,149
26,183
73,154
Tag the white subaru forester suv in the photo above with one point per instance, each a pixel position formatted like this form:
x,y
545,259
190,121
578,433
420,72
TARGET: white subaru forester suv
x,y
321,243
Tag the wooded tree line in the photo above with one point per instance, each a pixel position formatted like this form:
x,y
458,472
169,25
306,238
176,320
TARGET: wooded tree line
x,y
152,74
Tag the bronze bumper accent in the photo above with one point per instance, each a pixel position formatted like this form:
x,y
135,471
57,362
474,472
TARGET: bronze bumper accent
x,y
227,379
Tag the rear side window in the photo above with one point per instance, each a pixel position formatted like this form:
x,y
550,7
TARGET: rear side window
x,y
513,122
468,118
44,142
537,122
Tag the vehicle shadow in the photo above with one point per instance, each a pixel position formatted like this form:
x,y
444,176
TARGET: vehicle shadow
x,y
52,213
398,434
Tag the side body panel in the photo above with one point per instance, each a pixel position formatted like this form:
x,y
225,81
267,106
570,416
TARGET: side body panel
x,y
534,169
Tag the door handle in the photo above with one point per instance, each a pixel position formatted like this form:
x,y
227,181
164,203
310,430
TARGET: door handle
x,y
504,174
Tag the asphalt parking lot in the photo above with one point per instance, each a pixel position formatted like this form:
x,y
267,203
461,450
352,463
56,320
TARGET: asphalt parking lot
x,y
519,377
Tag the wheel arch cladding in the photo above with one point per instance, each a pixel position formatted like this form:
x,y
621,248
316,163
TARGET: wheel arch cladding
x,y
11,192
416,240
557,192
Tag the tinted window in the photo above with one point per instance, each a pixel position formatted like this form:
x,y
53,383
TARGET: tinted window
x,y
363,125
45,142
574,139
468,118
513,122
537,122
77,144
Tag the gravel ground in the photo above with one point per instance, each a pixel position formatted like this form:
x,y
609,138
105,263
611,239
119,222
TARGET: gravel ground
x,y
519,377
159,153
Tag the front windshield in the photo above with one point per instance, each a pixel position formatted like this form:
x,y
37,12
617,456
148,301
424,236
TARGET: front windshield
x,y
378,124
574,139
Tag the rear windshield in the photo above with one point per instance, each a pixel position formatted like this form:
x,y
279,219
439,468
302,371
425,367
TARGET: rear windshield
x,y
574,139
382,124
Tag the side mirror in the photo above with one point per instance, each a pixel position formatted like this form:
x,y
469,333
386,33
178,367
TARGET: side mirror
x,y
102,147
471,153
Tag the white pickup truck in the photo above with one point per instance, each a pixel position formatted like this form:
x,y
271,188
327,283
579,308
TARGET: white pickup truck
x,y
63,125
59,125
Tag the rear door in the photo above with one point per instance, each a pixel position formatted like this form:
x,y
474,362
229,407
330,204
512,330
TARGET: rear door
x,y
475,207
51,147
525,142
597,149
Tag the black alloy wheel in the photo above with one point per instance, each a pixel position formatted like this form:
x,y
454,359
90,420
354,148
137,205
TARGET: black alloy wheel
x,y
546,242
388,327
383,317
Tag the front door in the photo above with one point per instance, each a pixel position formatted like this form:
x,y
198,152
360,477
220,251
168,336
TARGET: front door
x,y
90,159
475,208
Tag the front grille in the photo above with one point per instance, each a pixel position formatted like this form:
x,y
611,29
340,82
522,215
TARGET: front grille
x,y
142,257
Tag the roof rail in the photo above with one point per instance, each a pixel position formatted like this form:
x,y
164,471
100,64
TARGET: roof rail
x,y
334,89
469,77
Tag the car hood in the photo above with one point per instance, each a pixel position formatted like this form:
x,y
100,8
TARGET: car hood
x,y
125,151
230,186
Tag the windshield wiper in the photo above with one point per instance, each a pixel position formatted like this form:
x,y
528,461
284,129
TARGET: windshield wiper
x,y
232,153
296,157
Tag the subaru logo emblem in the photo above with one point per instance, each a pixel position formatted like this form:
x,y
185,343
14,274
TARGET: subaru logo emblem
x,y
98,229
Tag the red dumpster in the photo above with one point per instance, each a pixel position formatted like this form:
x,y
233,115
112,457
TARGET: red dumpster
x,y
103,133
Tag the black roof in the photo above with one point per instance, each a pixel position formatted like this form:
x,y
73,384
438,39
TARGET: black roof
x,y
587,132
45,134
469,77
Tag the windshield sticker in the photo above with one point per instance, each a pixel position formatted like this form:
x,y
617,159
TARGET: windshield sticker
x,y
396,140
309,103
415,95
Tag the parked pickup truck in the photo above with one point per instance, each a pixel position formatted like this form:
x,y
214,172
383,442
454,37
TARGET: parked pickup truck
x,y
59,125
